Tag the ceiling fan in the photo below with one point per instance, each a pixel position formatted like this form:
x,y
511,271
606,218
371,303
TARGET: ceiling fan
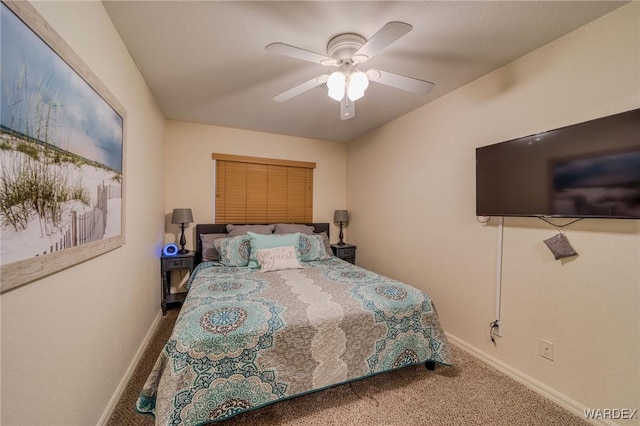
x,y
347,51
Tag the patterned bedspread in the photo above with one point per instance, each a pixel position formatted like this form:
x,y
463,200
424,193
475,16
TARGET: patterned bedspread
x,y
245,339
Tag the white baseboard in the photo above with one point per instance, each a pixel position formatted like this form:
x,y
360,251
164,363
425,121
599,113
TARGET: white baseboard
x,y
106,415
536,386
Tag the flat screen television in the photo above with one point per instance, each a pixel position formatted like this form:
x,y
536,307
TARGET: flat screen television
x,y
589,170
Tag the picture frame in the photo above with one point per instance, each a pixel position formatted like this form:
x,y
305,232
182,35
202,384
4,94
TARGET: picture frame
x,y
62,149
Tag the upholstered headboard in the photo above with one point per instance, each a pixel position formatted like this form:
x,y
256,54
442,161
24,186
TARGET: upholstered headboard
x,y
221,228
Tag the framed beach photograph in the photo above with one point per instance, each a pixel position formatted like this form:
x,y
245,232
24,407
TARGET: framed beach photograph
x,y
62,154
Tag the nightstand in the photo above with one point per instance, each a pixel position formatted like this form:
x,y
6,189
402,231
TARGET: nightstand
x,y
168,264
345,252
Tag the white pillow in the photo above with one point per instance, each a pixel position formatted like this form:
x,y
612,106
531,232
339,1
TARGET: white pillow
x,y
278,259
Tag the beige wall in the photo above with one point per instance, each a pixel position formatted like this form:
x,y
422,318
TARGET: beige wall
x,y
190,170
68,339
411,195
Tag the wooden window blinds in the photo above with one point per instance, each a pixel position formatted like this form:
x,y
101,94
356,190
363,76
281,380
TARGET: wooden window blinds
x,y
263,190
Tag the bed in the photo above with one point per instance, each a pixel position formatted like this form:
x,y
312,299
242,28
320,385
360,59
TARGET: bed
x,y
245,338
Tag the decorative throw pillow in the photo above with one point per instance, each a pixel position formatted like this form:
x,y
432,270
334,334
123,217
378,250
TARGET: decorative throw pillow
x,y
234,251
259,241
292,228
311,247
560,246
278,259
235,230
209,252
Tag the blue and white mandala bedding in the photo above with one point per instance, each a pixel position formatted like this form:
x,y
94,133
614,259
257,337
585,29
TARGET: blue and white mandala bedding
x,y
245,338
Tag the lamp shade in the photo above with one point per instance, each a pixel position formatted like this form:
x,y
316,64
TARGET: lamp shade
x,y
336,84
182,216
358,83
341,216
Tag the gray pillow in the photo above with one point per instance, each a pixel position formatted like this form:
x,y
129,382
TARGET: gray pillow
x,y
209,253
235,230
292,228
327,244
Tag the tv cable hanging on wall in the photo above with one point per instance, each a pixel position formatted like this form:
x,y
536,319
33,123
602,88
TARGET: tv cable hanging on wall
x,y
558,244
495,326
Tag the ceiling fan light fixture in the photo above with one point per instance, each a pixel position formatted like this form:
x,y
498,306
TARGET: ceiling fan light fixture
x,y
347,51
336,84
358,83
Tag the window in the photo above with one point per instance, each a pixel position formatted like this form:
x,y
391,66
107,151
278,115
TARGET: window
x,y
263,190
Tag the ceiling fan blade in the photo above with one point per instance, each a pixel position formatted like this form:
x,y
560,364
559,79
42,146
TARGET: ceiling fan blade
x,y
298,53
410,84
391,32
301,88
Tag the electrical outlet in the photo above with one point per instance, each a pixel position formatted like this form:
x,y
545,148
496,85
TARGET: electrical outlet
x,y
546,349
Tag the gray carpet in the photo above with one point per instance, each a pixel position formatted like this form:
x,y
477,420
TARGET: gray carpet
x,y
469,393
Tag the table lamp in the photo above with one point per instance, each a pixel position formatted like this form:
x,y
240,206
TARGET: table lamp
x,y
182,216
341,217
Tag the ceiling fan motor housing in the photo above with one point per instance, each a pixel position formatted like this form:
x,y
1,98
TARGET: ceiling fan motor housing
x,y
343,46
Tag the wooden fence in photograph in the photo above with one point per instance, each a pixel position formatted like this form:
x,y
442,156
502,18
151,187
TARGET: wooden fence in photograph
x,y
91,225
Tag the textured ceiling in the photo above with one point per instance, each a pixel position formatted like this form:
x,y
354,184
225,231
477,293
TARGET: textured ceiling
x,y
205,61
